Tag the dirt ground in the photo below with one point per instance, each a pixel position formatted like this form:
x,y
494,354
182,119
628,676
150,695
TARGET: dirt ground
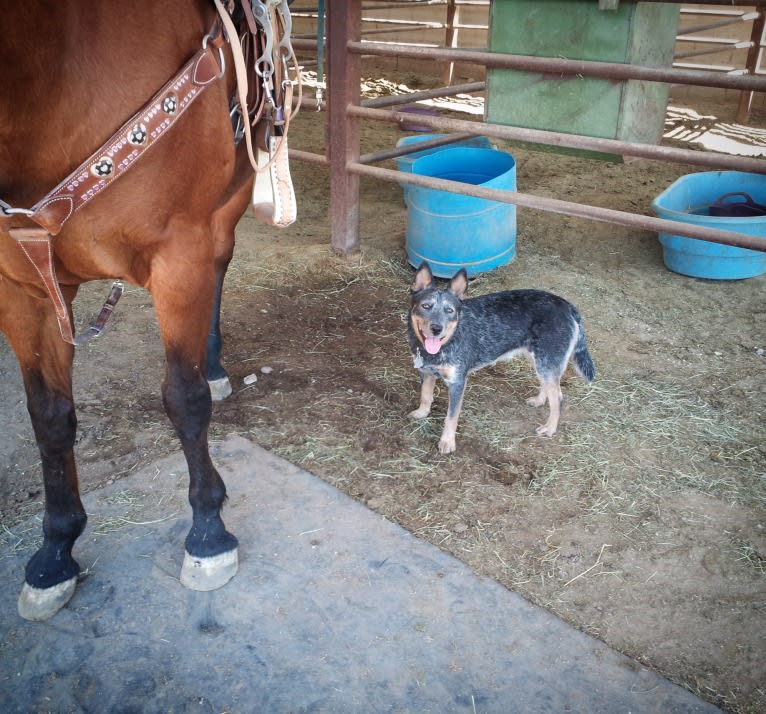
x,y
641,522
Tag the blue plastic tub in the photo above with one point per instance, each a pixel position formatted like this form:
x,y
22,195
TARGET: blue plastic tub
x,y
689,199
404,163
452,231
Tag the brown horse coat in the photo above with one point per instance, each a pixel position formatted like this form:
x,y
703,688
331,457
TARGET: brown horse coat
x,y
72,74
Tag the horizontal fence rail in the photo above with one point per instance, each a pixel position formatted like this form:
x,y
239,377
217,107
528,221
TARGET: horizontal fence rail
x,y
346,112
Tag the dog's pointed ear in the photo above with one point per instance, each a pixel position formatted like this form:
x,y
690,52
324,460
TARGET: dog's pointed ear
x,y
424,278
459,284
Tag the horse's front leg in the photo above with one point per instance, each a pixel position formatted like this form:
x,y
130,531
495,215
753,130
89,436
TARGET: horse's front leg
x,y
217,376
182,309
46,367
224,224
51,573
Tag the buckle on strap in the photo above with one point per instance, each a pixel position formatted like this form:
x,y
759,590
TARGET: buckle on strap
x,y
221,56
97,326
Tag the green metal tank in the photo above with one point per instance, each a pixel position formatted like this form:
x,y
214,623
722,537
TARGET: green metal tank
x,y
623,32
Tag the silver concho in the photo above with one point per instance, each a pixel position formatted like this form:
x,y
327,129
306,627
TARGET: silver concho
x,y
170,104
103,167
138,135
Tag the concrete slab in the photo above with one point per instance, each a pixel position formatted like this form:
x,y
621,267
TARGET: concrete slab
x,y
334,609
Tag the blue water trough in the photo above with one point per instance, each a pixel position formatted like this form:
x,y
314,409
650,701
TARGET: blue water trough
x,y
452,231
692,199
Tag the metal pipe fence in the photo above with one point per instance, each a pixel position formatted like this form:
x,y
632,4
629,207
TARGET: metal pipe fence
x,y
346,112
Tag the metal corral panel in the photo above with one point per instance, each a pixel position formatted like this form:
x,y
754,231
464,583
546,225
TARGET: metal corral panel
x,y
634,33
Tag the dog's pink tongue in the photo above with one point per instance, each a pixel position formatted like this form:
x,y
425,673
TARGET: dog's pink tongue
x,y
433,345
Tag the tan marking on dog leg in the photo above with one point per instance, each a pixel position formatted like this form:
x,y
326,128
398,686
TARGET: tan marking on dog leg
x,y
447,440
426,398
447,372
539,400
552,392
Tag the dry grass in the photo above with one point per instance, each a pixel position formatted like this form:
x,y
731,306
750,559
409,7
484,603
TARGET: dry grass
x,y
656,427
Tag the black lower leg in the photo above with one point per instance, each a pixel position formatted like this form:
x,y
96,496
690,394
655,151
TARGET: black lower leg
x,y
53,562
55,425
188,404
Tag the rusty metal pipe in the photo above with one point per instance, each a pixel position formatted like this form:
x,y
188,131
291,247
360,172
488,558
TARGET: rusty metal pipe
x,y
562,67
468,88
573,141
308,157
411,148
554,205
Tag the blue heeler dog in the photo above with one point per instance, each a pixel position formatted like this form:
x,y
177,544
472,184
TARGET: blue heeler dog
x,y
451,337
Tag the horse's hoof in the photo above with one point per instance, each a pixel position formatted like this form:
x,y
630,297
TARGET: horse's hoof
x,y
211,573
220,388
39,604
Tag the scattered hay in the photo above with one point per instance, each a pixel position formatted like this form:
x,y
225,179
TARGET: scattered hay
x,y
747,552
654,428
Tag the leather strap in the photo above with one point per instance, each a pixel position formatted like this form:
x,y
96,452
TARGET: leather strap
x,y
125,146
99,171
273,194
36,244
242,84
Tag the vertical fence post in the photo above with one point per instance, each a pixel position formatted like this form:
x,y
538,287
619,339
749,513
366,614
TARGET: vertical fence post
x,y
344,21
320,48
451,39
746,97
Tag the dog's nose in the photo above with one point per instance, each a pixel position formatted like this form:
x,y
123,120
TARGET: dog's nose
x,y
436,329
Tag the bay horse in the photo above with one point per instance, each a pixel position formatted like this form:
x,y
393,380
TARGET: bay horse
x,y
73,74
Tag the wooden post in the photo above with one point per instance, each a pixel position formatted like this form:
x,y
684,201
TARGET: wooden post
x,y
344,23
746,97
451,40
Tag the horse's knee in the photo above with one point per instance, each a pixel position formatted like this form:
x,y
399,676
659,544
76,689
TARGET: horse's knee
x,y
53,416
187,401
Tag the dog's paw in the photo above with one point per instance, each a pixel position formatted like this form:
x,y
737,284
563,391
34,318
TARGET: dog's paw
x,y
446,446
537,401
419,413
545,430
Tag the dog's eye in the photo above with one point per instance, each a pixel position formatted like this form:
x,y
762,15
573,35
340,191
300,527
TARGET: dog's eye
x,y
449,310
426,305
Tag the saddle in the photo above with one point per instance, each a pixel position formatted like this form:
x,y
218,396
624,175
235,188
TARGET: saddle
x,y
263,59
262,104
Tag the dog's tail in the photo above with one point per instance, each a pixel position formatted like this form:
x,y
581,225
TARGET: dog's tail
x,y
581,357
